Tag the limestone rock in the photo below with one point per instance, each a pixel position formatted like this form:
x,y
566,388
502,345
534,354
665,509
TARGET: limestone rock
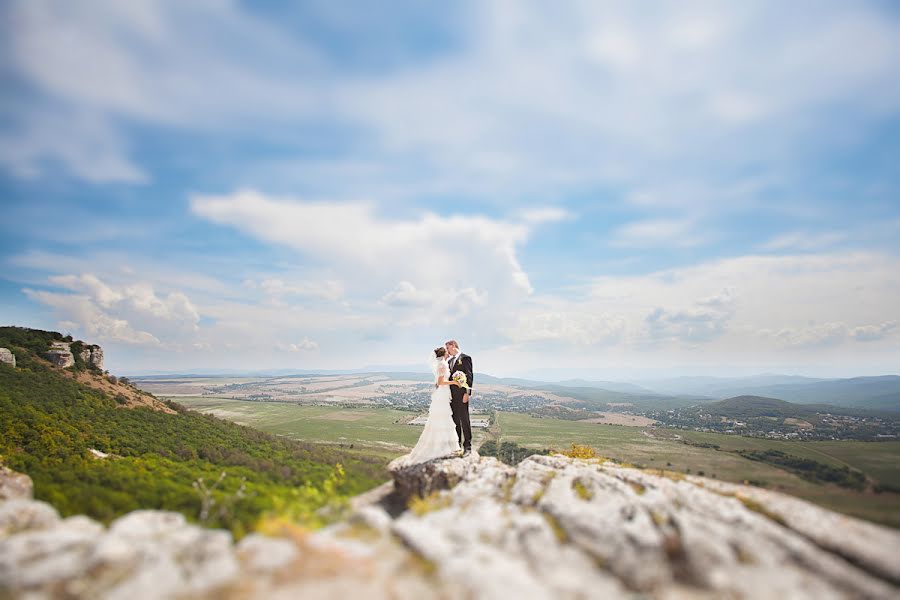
x,y
60,354
24,514
92,356
559,527
552,527
14,485
7,357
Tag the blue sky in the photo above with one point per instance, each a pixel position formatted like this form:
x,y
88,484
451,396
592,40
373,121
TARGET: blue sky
x,y
614,189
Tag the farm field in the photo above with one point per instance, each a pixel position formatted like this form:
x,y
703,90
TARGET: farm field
x,y
384,432
381,429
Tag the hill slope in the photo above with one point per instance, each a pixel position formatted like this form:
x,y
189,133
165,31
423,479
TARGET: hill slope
x,y
55,422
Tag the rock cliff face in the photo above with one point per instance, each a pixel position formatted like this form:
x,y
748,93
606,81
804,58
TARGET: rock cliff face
x,y
7,357
60,354
553,527
93,356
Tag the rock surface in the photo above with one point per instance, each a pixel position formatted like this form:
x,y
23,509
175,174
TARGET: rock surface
x,y
93,356
60,354
14,486
553,527
7,357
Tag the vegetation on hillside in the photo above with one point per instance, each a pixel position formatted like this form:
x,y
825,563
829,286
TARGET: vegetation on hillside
x,y
49,424
811,470
508,452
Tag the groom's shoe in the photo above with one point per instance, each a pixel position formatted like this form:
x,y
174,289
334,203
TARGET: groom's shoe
x,y
467,452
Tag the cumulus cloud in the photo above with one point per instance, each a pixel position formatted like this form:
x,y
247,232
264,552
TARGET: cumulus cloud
x,y
569,328
458,302
132,314
79,313
705,321
425,251
742,309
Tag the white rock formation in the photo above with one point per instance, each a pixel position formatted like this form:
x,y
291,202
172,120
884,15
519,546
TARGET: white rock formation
x,y
93,356
553,528
60,354
7,357
14,485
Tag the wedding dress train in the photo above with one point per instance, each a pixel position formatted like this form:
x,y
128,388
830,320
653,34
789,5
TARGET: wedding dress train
x,y
439,437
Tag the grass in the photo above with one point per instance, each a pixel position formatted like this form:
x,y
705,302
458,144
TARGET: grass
x,y
379,431
383,432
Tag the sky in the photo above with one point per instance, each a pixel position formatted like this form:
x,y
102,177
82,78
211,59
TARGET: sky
x,y
602,189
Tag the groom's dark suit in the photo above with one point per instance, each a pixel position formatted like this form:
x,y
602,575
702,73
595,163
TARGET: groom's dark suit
x,y
460,409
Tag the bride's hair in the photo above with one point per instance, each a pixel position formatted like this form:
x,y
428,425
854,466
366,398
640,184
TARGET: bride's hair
x,y
439,352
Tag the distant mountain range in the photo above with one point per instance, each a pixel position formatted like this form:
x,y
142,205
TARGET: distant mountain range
x,y
874,393
742,407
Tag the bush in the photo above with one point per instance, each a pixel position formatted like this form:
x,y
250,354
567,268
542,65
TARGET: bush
x,y
508,452
580,451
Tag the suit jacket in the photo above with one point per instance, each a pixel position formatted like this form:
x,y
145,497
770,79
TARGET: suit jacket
x,y
464,364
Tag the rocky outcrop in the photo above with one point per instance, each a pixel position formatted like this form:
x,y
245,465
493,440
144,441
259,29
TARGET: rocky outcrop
x,y
60,354
14,486
553,527
7,357
556,526
92,356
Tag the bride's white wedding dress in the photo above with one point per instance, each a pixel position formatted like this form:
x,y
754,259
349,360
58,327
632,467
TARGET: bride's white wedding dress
x,y
439,436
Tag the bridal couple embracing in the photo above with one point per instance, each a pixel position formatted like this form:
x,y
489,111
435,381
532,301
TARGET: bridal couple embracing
x,y
447,429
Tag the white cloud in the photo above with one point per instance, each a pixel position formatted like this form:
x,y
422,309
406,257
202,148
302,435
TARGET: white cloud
x,y
304,345
659,233
131,314
534,99
570,328
461,301
81,314
825,334
278,289
804,240
85,142
790,309
706,320
372,248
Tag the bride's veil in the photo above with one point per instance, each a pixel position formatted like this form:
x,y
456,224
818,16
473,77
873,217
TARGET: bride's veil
x,y
434,362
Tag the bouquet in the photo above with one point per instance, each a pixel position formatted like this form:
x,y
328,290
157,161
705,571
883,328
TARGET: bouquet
x,y
460,378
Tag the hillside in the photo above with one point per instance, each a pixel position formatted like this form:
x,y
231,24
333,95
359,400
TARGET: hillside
x,y
759,406
71,430
873,393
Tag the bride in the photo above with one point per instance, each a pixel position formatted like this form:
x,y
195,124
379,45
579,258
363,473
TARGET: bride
x,y
439,437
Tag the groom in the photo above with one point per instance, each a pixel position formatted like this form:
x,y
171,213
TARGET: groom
x,y
459,396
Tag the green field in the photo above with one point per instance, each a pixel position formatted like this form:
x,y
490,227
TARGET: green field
x,y
384,432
